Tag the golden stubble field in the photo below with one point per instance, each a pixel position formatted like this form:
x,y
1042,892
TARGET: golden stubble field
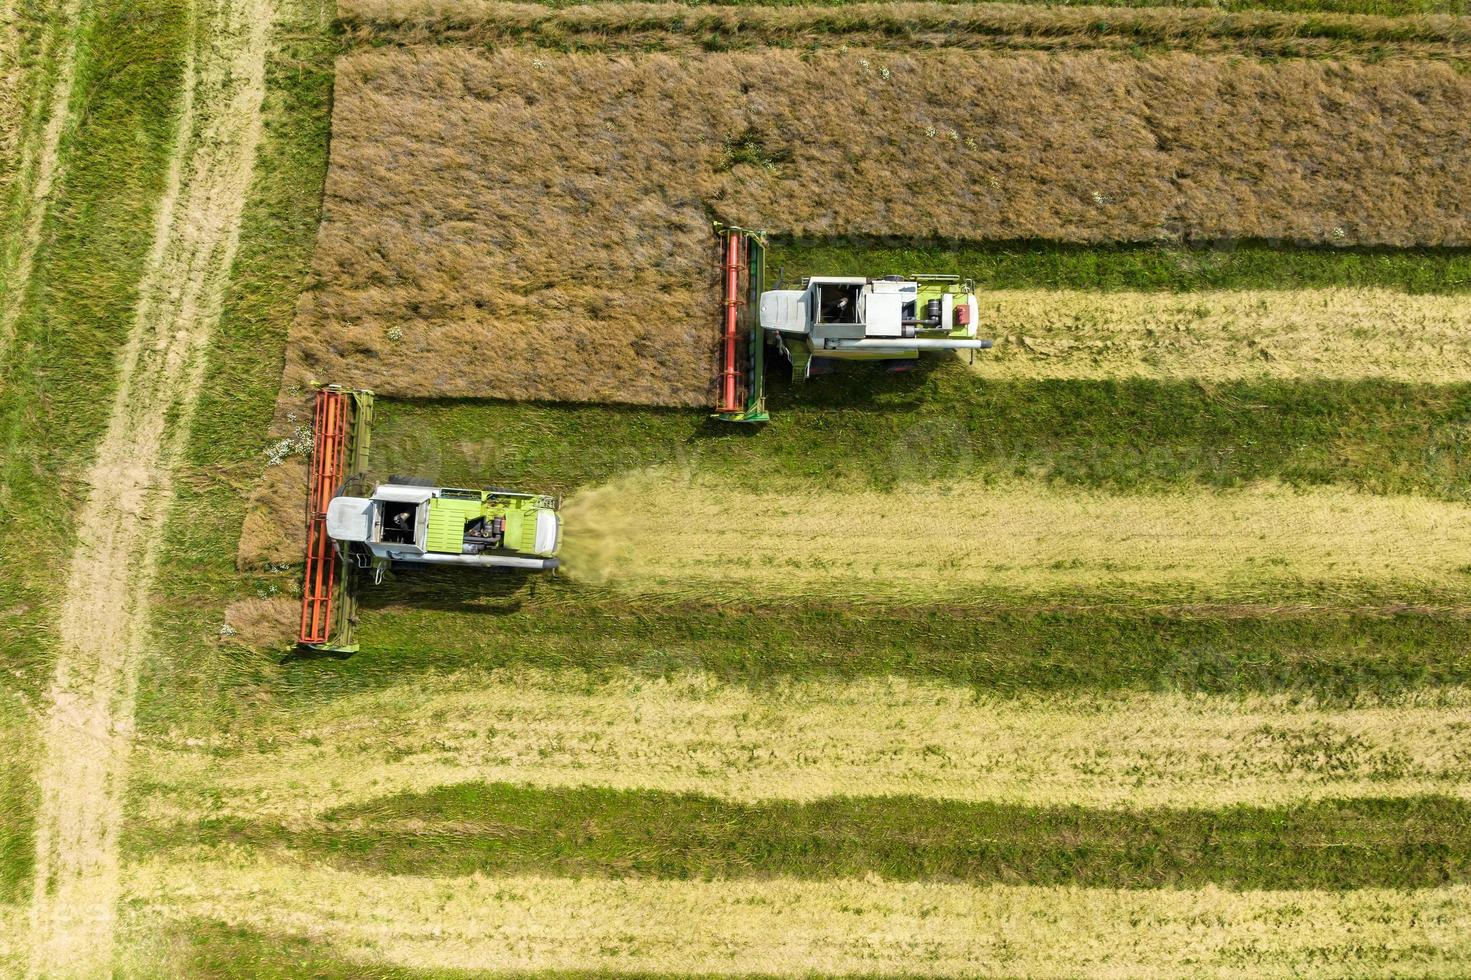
x,y
668,533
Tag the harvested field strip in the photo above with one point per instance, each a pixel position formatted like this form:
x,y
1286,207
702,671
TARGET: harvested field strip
x,y
785,926
936,424
1329,333
38,164
1337,658
1127,434
104,618
1177,267
588,267
501,829
898,26
803,740
673,534
12,934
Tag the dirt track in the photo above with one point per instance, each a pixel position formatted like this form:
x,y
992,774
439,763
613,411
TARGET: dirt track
x,y
38,167
104,620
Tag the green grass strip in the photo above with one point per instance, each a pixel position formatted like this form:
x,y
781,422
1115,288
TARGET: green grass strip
x,y
278,231
1178,268
866,428
57,387
440,622
501,829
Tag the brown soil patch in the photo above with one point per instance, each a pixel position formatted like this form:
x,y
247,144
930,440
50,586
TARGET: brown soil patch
x,y
529,225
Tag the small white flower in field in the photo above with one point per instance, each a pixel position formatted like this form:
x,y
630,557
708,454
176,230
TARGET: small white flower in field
x,y
929,131
299,443
227,630
865,64
538,63
1338,233
1099,198
885,74
970,142
953,136
395,334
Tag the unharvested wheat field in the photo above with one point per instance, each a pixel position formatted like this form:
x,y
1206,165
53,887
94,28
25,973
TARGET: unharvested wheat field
x,y
1137,646
537,226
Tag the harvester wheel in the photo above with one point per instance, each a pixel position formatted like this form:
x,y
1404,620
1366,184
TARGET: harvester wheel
x,y
410,481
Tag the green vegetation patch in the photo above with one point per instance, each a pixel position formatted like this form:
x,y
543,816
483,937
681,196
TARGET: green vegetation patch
x,y
194,673
865,428
1174,267
503,829
58,382
207,949
436,621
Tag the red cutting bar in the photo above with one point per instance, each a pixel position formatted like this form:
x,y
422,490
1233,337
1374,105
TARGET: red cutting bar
x,y
730,374
330,426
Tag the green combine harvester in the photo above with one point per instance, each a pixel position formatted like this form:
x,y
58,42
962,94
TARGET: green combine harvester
x,y
354,531
829,319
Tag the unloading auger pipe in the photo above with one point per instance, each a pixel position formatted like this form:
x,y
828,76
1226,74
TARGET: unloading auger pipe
x,y
906,344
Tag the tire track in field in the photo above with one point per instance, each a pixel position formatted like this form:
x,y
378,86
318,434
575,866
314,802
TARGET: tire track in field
x,y
38,170
104,617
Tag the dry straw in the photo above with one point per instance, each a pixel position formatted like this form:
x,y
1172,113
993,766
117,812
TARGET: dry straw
x,y
808,739
662,532
531,225
836,927
1220,335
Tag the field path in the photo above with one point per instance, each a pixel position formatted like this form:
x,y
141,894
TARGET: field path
x,y
104,617
38,168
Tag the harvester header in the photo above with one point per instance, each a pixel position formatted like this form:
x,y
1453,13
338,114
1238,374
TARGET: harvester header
x,y
355,529
828,319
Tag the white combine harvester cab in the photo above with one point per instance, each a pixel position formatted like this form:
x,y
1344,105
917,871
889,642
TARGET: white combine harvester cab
x,y
856,318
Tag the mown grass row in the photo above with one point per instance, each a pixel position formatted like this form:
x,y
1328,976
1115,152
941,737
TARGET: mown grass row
x,y
59,378
503,829
1172,267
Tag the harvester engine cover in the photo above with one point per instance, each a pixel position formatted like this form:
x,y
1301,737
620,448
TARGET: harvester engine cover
x,y
449,526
